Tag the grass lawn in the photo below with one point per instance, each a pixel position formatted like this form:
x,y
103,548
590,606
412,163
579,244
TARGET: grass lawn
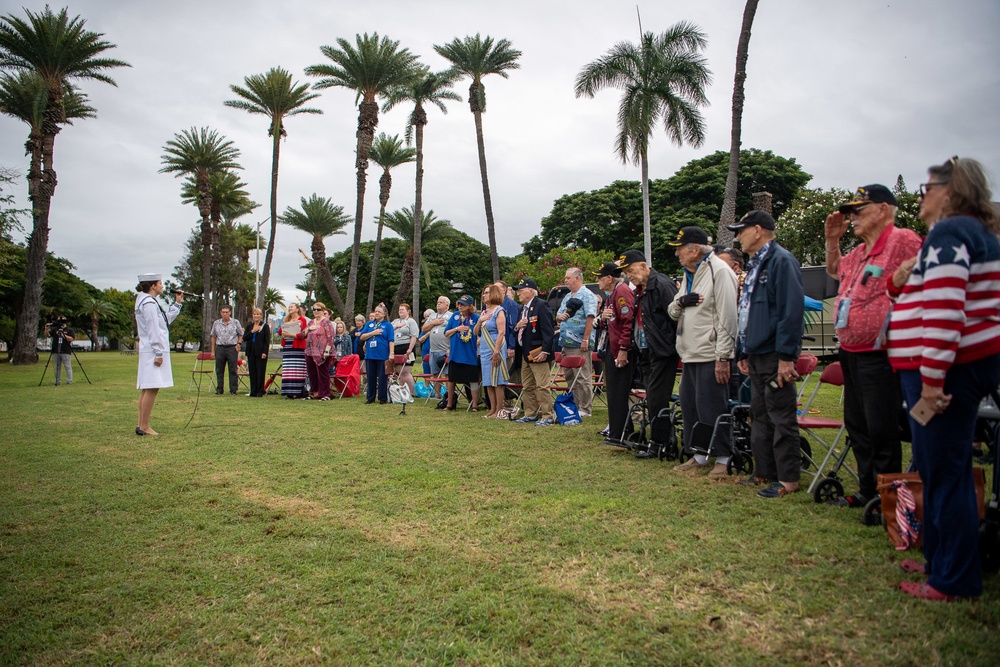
x,y
280,532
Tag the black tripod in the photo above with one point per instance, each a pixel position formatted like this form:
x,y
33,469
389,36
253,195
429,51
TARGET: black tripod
x,y
52,351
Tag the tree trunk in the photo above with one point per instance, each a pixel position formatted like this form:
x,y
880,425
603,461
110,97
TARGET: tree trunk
x,y
93,332
367,122
323,270
419,119
405,282
385,184
207,310
265,277
41,187
490,229
647,238
728,214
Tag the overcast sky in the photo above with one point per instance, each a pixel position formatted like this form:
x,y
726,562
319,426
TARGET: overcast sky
x,y
857,91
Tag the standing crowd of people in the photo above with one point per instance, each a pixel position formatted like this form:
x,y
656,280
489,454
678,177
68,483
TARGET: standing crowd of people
x,y
918,321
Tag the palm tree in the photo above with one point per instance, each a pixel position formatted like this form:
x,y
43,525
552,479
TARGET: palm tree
x,y
663,78
321,218
200,153
476,57
95,308
371,67
272,94
58,49
431,229
434,89
387,152
272,299
728,213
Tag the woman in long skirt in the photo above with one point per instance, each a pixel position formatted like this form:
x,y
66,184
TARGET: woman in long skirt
x,y
293,353
154,345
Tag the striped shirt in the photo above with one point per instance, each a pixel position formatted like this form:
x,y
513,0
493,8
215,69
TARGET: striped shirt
x,y
949,310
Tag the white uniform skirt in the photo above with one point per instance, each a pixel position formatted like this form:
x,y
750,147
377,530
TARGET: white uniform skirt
x,y
152,376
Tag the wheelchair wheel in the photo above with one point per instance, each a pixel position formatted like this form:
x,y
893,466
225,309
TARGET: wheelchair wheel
x,y
827,490
634,441
873,513
739,464
989,545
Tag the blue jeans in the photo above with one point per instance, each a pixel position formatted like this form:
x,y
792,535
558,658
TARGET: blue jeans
x,y
942,454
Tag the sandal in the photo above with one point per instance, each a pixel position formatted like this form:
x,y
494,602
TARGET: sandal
x,y
325,398
776,490
924,591
911,566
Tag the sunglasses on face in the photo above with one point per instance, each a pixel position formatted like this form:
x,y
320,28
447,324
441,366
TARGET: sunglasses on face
x,y
925,187
856,213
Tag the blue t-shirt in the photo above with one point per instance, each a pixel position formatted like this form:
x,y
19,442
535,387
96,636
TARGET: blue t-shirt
x,y
463,352
377,347
571,331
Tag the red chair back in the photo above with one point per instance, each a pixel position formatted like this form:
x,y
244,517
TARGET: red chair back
x,y
833,374
574,361
205,356
806,364
399,359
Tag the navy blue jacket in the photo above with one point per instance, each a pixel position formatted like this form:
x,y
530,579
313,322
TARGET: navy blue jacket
x,y
775,323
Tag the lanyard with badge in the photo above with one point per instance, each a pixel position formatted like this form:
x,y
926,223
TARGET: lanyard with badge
x,y
863,273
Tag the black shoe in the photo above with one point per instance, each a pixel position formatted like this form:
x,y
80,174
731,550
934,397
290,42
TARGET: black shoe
x,y
370,401
139,431
218,393
606,431
382,402
442,404
615,442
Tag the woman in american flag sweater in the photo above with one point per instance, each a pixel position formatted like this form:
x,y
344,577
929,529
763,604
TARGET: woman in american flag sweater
x,y
945,341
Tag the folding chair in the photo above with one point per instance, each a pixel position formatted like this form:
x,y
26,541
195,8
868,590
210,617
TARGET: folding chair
x,y
243,373
273,378
826,486
564,364
202,369
804,367
599,393
347,376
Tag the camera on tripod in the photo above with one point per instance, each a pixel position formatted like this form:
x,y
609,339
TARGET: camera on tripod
x,y
57,325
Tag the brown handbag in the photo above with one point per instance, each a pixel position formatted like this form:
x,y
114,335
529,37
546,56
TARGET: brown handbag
x,y
888,493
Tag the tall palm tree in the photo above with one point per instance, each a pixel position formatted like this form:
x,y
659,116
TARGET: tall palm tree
x,y
320,217
664,79
388,153
370,67
95,308
59,50
431,229
271,300
476,57
200,153
430,88
272,94
728,214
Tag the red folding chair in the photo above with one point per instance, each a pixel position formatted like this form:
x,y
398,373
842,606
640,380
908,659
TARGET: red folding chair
x,y
347,377
202,369
832,375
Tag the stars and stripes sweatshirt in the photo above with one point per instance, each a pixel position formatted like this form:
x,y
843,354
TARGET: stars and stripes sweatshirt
x,y
949,310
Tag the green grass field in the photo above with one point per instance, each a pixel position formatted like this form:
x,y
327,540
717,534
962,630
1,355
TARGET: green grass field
x,y
279,532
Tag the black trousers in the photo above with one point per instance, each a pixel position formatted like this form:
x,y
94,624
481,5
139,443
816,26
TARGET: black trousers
x,y
872,402
774,433
257,368
617,386
703,400
659,374
226,355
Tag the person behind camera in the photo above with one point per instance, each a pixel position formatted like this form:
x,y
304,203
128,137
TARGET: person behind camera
x,y
62,347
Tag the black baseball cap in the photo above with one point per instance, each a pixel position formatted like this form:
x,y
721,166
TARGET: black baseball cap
x,y
752,219
607,269
630,257
689,235
869,194
526,283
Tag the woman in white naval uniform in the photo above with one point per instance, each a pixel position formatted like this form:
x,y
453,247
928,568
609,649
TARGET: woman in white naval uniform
x,y
154,345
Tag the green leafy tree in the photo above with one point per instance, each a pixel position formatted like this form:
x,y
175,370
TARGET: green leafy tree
x,y
429,89
59,50
275,95
475,58
199,153
429,230
549,269
664,79
388,153
371,67
800,227
320,218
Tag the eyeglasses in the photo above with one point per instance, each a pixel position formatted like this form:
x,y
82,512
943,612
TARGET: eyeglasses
x,y
925,187
856,212
315,309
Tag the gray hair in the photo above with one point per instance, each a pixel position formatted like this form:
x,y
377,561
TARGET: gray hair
x,y
575,271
